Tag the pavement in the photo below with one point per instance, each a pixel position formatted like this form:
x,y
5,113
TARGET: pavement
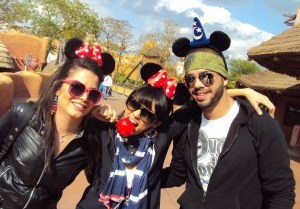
x,y
72,194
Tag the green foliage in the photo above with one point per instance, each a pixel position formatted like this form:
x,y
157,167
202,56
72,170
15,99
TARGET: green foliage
x,y
13,11
239,67
120,77
62,19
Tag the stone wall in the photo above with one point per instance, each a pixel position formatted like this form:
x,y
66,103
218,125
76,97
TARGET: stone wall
x,y
20,87
20,44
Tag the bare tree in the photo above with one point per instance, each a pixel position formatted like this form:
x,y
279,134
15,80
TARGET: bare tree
x,y
164,38
117,35
115,32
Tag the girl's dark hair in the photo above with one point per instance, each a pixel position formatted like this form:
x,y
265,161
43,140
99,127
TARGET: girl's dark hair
x,y
147,94
48,92
182,95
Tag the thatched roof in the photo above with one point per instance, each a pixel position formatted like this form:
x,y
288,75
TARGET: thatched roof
x,y
271,81
281,53
5,58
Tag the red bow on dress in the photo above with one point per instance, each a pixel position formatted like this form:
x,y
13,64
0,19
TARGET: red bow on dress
x,y
94,53
160,80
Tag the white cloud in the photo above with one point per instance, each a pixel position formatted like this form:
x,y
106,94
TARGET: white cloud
x,y
243,36
178,7
150,15
185,30
137,3
214,15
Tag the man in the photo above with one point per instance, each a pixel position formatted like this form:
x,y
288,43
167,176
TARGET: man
x,y
230,157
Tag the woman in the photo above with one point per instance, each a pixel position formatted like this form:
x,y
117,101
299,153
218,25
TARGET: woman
x,y
129,173
60,140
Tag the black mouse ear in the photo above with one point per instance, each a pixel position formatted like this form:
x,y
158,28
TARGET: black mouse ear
x,y
181,47
220,40
108,63
71,46
149,69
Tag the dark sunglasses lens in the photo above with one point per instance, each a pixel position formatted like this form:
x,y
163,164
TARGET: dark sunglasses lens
x,y
76,89
206,78
147,116
210,79
189,80
133,104
94,96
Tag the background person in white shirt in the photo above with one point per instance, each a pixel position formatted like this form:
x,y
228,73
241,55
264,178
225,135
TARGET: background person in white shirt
x,y
107,84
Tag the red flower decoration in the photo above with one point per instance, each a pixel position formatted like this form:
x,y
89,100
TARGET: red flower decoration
x,y
94,53
125,127
159,80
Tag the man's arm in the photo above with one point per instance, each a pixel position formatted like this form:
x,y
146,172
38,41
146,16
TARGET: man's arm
x,y
175,174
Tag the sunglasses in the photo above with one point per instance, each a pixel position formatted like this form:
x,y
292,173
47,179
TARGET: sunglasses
x,y
147,116
77,89
206,78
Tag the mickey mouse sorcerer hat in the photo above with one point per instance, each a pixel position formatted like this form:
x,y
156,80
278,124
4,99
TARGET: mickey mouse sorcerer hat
x,y
203,52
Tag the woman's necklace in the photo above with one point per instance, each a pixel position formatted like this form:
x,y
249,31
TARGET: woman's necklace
x,y
61,139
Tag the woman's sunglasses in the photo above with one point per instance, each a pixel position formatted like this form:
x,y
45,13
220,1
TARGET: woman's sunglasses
x,y
206,78
147,116
77,89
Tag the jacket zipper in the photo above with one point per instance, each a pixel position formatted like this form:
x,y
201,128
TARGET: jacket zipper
x,y
205,192
37,183
204,197
5,170
155,146
32,191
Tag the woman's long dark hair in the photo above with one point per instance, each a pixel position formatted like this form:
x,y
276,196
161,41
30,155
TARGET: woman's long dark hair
x,y
47,94
146,94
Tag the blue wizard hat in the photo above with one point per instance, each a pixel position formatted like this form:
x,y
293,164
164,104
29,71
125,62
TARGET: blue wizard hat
x,y
218,40
199,38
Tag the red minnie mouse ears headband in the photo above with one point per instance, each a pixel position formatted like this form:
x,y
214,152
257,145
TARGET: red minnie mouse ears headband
x,y
156,76
75,48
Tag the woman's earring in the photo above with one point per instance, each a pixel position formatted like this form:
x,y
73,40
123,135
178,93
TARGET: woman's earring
x,y
151,133
54,105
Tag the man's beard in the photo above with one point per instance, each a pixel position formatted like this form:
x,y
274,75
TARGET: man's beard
x,y
215,100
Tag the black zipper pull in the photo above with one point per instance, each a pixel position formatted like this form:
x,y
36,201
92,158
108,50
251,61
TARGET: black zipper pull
x,y
204,197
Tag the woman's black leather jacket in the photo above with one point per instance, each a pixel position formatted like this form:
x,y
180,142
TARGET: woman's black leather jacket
x,y
24,183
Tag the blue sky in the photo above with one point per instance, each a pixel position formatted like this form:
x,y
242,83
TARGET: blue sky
x,y
247,22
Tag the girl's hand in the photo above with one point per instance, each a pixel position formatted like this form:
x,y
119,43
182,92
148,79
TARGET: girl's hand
x,y
255,98
104,112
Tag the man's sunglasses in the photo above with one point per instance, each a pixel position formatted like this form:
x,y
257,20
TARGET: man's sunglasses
x,y
77,89
147,116
206,78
